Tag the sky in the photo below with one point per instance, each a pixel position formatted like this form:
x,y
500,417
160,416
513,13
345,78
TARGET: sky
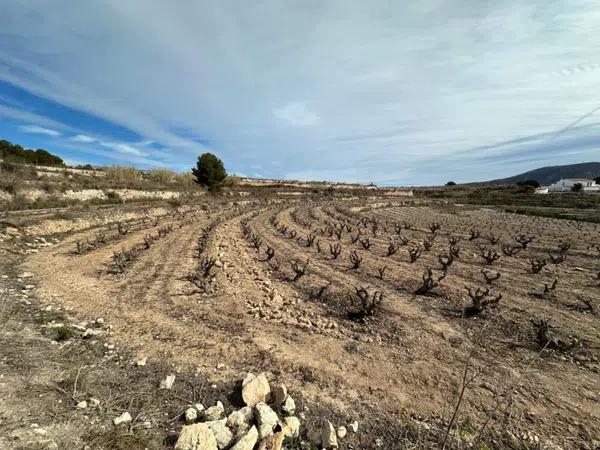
x,y
390,92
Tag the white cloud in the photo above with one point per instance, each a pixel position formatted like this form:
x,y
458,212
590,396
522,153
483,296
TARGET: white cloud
x,y
123,148
361,90
83,138
296,114
34,129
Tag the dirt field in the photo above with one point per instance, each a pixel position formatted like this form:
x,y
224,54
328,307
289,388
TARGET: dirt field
x,y
425,357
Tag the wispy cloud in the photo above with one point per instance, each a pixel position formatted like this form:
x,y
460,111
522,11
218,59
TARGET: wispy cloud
x,y
34,129
296,114
123,148
83,138
415,92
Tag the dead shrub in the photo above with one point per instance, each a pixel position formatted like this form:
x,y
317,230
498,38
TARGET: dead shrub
x,y
365,303
355,260
524,240
429,282
335,250
489,276
545,339
488,255
299,269
481,298
537,264
414,253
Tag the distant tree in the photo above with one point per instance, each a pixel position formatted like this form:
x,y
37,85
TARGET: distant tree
x,y
533,183
17,154
209,171
44,158
577,187
450,183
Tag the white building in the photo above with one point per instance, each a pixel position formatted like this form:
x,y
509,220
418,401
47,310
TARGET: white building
x,y
566,185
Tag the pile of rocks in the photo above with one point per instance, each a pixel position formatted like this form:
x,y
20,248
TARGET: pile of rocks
x,y
263,424
87,329
289,311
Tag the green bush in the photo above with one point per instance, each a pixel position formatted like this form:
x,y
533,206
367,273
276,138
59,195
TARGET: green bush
x,y
63,333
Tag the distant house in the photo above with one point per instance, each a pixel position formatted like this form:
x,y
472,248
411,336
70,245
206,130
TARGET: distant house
x,y
567,184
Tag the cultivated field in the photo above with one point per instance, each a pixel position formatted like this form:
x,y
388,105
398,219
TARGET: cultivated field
x,y
426,323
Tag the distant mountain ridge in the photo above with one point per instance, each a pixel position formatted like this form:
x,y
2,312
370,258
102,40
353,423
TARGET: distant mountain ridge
x,y
551,174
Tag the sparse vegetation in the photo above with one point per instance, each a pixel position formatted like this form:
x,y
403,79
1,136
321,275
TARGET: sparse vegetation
x,y
129,176
258,273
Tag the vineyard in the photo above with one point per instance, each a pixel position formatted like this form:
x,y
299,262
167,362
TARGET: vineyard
x,y
469,319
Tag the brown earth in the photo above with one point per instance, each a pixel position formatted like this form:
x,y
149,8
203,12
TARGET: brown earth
x,y
408,359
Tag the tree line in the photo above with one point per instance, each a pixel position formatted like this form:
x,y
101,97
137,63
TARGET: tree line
x,y
14,153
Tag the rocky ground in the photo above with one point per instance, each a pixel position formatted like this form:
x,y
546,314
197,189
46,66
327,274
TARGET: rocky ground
x,y
148,357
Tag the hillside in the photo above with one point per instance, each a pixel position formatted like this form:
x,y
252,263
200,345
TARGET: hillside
x,y
551,174
15,153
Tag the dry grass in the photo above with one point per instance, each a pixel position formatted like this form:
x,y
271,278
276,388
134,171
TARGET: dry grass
x,y
122,174
161,176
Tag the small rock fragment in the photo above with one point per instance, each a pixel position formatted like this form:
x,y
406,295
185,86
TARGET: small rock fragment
x,y
199,407
222,434
255,389
123,418
82,404
266,418
341,432
328,436
214,412
277,301
247,441
240,419
168,382
353,426
89,332
191,415
196,437
291,426
289,406
279,394
273,442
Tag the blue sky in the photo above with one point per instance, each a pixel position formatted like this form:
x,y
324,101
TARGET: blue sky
x,y
398,93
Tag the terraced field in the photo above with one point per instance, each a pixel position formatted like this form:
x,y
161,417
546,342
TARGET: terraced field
x,y
462,319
